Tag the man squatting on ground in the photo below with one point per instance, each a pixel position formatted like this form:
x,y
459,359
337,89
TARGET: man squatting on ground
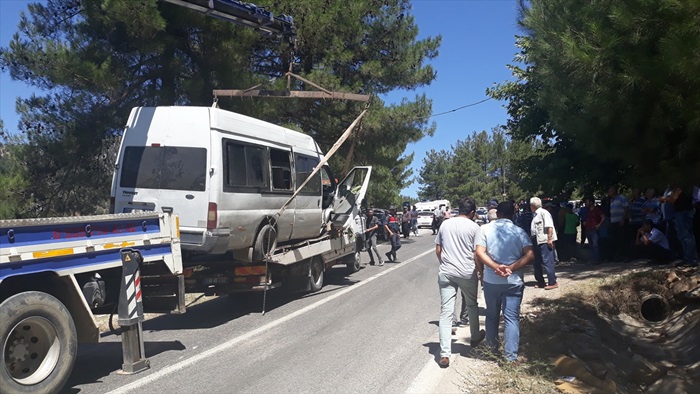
x,y
502,251
454,246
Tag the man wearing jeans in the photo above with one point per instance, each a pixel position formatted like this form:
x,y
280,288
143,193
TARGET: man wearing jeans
x,y
373,224
543,237
503,250
454,246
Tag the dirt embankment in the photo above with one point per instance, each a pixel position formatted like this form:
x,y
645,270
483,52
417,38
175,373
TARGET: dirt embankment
x,y
629,328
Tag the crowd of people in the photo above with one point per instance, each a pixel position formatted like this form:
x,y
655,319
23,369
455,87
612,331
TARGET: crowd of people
x,y
661,228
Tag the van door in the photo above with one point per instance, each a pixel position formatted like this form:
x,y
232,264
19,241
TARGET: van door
x,y
350,195
164,178
308,218
164,165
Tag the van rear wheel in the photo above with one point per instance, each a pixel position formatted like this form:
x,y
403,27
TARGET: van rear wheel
x,y
265,242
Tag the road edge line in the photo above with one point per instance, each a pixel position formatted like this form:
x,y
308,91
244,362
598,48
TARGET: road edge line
x,y
232,342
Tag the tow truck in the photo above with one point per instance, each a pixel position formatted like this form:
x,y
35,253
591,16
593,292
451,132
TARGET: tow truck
x,y
57,273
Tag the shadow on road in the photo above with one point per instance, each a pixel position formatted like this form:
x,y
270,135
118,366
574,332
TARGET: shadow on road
x,y
98,360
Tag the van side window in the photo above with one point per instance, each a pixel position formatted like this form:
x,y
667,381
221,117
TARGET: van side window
x,y
244,165
304,166
281,169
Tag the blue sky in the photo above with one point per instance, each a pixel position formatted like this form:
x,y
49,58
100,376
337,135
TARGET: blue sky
x,y
478,40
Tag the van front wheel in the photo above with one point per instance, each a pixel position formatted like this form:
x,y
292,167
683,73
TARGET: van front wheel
x,y
316,267
265,242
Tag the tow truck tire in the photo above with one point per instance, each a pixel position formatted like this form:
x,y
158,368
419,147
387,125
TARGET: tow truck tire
x,y
265,242
315,274
39,344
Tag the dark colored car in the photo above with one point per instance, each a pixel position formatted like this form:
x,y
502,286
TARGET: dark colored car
x,y
381,214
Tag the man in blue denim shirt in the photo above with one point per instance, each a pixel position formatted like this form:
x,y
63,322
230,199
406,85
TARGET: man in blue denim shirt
x,y
502,251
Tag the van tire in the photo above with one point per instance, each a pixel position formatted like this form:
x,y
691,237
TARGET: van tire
x,y
354,260
265,242
44,319
316,269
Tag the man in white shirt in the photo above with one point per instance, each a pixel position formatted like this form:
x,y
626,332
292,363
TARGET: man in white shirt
x,y
454,247
543,236
652,244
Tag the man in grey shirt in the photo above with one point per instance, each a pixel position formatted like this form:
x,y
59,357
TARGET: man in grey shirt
x,y
454,246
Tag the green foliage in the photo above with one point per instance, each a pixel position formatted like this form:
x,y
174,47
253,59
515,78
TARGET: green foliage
x,y
482,166
14,199
98,59
610,90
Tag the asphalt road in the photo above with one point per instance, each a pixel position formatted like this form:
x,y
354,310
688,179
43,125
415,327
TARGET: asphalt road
x,y
372,331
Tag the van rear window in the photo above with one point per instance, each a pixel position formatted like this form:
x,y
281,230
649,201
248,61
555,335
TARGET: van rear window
x,y
164,167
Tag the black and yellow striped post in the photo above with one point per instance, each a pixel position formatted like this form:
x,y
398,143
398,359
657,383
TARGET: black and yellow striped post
x,y
131,314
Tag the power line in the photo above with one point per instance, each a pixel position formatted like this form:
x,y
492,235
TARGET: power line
x,y
453,110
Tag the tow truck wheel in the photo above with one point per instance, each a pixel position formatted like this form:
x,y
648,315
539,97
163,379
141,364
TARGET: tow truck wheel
x,y
315,274
39,344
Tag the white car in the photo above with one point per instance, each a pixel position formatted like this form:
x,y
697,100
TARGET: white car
x,y
425,219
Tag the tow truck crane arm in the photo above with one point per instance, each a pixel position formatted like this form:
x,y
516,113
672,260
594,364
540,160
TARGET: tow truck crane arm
x,y
243,14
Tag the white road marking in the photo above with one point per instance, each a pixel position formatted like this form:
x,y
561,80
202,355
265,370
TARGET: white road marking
x,y
427,379
430,377
234,341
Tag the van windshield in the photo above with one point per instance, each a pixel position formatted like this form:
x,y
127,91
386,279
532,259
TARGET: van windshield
x,y
167,167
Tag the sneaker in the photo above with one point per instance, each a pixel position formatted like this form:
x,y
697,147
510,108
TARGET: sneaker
x,y
444,362
552,287
474,342
388,256
381,263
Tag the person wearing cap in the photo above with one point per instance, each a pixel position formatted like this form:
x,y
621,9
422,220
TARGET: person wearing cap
x,y
392,228
543,237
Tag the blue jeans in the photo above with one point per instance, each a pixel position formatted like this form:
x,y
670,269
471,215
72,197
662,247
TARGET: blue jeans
x,y
684,228
544,258
507,299
448,295
593,240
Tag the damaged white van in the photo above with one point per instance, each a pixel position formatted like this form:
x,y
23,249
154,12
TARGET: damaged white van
x,y
226,175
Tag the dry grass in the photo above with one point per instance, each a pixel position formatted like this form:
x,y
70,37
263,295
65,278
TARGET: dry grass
x,y
546,331
623,294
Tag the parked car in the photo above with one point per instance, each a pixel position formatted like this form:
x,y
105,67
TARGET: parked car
x,y
382,215
481,214
425,219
